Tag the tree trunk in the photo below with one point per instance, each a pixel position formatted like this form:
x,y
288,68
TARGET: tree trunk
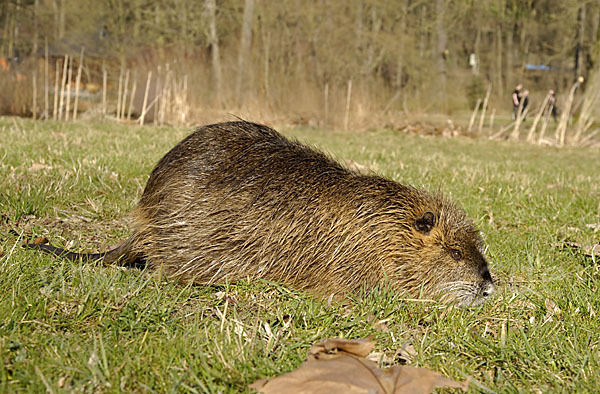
x,y
442,51
4,14
510,31
58,7
55,15
244,52
267,62
11,31
476,50
422,32
34,46
596,25
61,20
16,24
401,48
500,82
579,55
359,26
137,21
213,41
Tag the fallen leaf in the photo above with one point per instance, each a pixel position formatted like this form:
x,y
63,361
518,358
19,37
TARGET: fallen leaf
x,y
381,326
339,366
551,310
523,304
381,358
490,215
356,167
40,240
330,347
93,360
592,251
330,299
593,226
406,354
590,310
36,241
39,166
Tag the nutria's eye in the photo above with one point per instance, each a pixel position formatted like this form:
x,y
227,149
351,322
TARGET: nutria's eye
x,y
456,254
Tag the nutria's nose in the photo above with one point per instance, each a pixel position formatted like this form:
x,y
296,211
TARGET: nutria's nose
x,y
487,289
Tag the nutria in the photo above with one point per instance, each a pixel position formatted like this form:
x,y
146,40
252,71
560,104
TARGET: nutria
x,y
238,200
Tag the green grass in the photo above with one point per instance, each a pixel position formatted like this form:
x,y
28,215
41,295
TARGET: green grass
x,y
84,327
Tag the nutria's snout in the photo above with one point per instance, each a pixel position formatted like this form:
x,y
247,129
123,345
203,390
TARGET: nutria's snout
x,y
487,288
477,295
467,295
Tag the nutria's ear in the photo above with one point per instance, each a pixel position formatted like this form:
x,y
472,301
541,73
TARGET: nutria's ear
x,y
425,223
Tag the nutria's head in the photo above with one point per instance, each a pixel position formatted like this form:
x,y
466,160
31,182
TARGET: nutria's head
x,y
445,255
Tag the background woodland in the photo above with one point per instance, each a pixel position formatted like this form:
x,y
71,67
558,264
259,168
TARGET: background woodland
x,y
301,61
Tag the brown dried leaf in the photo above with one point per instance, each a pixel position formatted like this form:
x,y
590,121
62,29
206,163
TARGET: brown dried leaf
x,y
381,358
593,226
339,366
592,251
332,346
381,326
40,240
357,167
406,354
39,166
551,310
37,241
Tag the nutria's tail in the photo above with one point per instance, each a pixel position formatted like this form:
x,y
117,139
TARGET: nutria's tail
x,y
122,253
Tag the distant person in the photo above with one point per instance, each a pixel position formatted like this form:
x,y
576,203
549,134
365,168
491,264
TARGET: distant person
x,y
552,104
516,99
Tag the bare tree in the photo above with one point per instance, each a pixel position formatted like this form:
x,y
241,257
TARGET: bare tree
x,y
213,41
442,50
580,41
244,52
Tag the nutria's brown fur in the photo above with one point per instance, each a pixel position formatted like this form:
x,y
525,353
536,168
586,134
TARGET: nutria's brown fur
x,y
237,200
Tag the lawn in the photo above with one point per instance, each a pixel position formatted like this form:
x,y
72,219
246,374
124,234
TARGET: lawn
x,y
86,327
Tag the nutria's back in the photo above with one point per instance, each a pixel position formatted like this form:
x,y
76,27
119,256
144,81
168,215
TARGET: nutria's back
x,y
238,200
